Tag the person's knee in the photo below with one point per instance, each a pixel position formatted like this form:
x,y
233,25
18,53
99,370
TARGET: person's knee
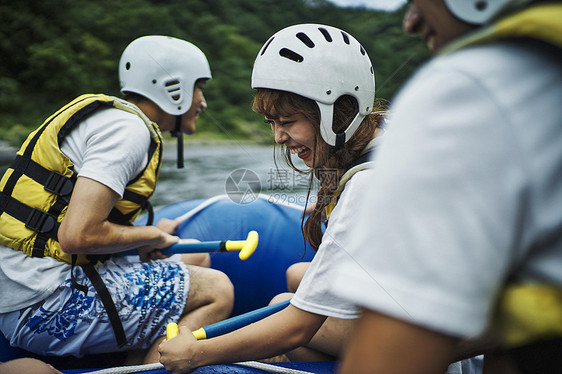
x,y
281,297
294,275
224,289
210,286
197,259
27,365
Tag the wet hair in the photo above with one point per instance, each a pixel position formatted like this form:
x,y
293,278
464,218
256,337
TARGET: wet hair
x,y
335,162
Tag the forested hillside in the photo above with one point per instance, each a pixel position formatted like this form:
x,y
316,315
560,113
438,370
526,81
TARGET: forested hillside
x,y
54,50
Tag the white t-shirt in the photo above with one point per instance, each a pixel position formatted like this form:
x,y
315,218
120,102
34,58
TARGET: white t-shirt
x,y
466,190
313,294
111,147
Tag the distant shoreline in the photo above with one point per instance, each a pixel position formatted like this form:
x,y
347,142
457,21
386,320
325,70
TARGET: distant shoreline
x,y
7,152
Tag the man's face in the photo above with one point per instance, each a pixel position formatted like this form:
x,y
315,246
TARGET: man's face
x,y
198,104
436,25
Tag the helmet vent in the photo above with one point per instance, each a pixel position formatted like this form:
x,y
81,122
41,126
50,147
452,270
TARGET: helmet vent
x,y
305,39
345,38
266,45
362,50
287,53
326,34
481,5
174,89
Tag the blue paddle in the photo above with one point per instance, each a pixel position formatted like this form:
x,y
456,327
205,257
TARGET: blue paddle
x,y
231,324
246,247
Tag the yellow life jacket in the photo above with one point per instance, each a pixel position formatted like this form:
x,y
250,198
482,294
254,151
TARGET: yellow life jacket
x,y
361,164
539,22
36,189
528,312
525,312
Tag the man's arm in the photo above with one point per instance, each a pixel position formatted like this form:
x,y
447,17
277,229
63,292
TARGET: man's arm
x,y
85,229
382,344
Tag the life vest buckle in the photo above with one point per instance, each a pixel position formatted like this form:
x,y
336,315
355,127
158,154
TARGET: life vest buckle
x,y
59,184
40,221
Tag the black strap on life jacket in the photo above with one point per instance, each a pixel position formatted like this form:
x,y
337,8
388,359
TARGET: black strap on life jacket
x,y
78,286
108,303
115,216
366,157
44,223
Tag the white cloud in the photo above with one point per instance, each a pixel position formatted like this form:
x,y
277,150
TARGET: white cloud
x,y
371,4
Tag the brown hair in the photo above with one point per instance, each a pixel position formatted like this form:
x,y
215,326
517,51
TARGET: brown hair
x,y
274,104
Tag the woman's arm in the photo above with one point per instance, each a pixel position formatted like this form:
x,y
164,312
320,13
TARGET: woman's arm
x,y
276,334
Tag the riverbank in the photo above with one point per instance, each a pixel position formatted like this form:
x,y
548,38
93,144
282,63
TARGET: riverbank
x,y
208,138
7,153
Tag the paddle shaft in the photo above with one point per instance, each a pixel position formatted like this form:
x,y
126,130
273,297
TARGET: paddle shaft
x,y
234,323
200,247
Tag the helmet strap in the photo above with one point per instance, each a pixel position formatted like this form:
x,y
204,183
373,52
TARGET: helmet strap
x,y
179,134
340,140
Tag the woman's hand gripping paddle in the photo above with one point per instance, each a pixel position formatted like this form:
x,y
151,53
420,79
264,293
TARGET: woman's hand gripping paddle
x,y
231,324
171,330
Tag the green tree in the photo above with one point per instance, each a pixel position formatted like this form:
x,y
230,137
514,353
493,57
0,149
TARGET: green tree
x,y
54,50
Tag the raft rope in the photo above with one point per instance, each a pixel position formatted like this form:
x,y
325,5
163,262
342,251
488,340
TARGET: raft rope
x,y
249,364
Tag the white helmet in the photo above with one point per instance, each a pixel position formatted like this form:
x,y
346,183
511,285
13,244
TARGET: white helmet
x,y
479,12
321,63
164,70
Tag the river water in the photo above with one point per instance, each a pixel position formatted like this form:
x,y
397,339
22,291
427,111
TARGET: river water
x,y
212,170
216,169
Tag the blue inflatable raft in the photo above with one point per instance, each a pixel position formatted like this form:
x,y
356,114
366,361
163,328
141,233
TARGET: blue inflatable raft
x,y
255,280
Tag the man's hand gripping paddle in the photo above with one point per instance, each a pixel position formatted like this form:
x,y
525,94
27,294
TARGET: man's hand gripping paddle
x,y
246,247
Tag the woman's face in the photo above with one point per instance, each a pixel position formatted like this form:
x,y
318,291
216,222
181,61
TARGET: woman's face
x,y
297,133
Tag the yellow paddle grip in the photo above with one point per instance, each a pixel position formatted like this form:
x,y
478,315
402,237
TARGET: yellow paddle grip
x,y
171,330
246,247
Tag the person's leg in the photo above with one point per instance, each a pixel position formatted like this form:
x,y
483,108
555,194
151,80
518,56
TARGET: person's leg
x,y
327,343
147,296
27,365
197,259
294,275
210,299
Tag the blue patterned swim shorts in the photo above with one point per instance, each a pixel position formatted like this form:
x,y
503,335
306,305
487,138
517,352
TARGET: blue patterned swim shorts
x,y
147,296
